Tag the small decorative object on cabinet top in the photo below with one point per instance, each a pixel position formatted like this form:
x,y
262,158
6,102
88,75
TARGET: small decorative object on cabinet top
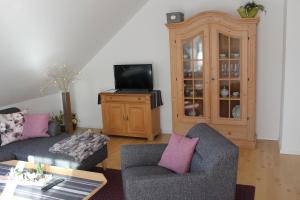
x,y
250,9
175,17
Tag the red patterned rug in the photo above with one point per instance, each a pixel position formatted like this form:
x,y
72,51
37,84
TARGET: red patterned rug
x,y
113,189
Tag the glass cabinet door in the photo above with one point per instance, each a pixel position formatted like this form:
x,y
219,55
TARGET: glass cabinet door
x,y
229,77
192,70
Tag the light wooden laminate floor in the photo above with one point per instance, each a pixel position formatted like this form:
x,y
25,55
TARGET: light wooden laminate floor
x,y
275,176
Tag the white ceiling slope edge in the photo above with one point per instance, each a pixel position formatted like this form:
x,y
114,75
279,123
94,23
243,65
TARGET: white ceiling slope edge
x,y
36,34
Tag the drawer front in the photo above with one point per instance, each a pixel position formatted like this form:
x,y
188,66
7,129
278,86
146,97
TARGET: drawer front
x,y
120,98
234,132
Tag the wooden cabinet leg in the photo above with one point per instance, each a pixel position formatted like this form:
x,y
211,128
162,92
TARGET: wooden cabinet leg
x,y
150,138
104,164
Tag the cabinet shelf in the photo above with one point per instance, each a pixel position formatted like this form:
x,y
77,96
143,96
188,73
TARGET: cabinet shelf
x,y
192,60
191,98
193,79
229,79
230,99
229,59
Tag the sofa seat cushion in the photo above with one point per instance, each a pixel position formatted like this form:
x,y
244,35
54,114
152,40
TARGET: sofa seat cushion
x,y
137,172
37,149
6,155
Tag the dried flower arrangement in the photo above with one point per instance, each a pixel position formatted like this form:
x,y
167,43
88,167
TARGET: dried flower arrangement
x,y
61,77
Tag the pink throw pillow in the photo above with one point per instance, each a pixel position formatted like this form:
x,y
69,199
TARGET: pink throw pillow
x,y
178,154
36,125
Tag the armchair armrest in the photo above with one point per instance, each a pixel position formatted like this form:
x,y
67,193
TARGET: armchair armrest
x,y
141,154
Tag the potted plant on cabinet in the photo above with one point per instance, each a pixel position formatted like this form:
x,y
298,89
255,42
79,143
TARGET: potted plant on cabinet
x,y
250,9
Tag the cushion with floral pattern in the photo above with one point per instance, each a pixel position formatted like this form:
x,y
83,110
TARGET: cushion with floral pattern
x,y
11,127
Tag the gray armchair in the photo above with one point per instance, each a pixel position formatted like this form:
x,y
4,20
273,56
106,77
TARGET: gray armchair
x,y
212,173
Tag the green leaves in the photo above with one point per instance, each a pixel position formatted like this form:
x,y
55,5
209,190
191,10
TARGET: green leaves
x,y
253,5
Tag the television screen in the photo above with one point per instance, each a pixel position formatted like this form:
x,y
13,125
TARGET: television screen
x,y
133,77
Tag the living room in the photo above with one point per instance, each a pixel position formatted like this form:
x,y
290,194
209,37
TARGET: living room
x,y
206,69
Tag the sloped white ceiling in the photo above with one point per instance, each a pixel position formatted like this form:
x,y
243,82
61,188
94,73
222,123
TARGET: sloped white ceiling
x,y
36,34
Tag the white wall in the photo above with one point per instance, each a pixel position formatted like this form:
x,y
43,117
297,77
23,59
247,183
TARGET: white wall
x,y
290,135
37,34
47,104
145,40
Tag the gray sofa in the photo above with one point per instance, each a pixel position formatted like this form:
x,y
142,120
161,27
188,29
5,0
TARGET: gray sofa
x,y
38,148
212,175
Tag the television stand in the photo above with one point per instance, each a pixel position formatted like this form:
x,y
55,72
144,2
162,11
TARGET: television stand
x,y
130,114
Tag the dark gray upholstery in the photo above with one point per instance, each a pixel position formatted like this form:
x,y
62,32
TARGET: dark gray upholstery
x,y
10,110
212,174
38,148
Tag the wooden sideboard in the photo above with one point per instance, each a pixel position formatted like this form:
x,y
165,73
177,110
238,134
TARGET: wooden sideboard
x,y
129,115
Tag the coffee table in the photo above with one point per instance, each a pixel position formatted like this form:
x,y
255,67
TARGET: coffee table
x,y
78,184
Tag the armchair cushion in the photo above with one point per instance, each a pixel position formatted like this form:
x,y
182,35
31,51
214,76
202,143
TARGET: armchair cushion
x,y
139,172
178,154
141,155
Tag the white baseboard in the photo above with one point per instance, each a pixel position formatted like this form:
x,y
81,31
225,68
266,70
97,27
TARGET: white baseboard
x,y
290,151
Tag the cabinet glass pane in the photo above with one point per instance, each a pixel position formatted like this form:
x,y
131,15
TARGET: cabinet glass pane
x,y
198,69
198,107
235,109
234,48
198,88
224,89
224,108
223,46
229,76
193,76
187,70
188,88
235,69
235,89
189,107
187,50
197,44
224,69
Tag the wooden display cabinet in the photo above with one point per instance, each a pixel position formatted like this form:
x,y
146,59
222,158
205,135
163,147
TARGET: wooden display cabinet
x,y
129,115
213,69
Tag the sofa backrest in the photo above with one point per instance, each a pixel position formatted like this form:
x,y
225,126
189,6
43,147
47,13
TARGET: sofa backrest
x,y
211,147
10,110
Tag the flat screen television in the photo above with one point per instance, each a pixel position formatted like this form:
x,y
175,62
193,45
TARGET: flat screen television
x,y
137,77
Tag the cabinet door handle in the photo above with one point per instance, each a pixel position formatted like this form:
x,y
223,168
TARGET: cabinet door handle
x,y
212,78
124,118
127,117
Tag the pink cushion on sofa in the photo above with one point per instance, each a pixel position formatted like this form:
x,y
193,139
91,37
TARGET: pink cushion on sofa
x,y
178,154
36,125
